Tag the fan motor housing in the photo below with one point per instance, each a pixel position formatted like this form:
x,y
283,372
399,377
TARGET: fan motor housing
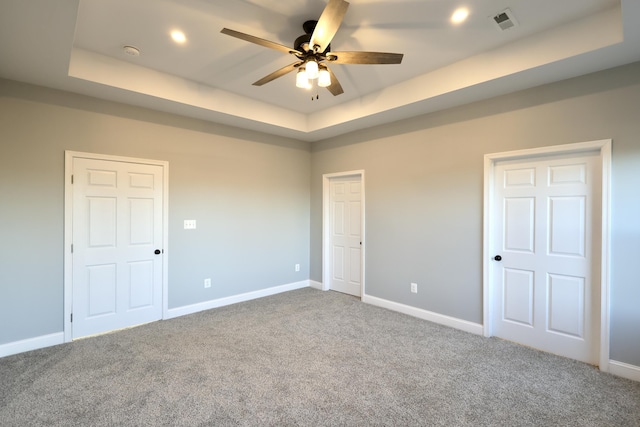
x,y
302,43
309,26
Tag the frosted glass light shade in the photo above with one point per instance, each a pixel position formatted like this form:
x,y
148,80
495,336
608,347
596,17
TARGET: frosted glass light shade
x,y
312,70
324,78
302,81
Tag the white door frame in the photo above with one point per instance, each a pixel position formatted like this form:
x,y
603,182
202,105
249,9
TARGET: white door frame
x,y
326,228
603,147
68,228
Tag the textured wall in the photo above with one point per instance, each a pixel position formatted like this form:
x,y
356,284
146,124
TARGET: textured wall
x,y
424,200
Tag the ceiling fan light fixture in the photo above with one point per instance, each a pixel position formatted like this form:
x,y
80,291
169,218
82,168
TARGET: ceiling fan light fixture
x,y
302,81
312,69
314,47
324,78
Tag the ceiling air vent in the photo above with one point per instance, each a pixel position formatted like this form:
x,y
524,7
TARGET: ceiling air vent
x,y
505,20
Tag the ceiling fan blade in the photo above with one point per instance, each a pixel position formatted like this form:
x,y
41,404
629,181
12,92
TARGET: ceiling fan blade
x,y
279,73
335,88
328,24
364,58
259,41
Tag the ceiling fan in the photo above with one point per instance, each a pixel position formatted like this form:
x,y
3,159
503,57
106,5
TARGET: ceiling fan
x,y
313,50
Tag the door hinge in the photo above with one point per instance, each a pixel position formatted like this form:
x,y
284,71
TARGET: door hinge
x,y
72,248
72,179
71,317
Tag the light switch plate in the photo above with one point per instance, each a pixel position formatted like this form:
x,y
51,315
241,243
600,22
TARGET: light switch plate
x,y
189,224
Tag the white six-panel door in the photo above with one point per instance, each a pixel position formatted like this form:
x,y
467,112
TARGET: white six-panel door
x,y
546,291
117,229
346,234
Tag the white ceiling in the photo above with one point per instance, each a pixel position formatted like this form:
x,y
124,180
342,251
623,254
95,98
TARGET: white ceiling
x,y
76,45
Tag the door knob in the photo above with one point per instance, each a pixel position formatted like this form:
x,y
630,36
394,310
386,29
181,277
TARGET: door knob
x,y
497,258
157,252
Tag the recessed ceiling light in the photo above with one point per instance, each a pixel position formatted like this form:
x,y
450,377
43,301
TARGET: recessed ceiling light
x,y
460,15
178,36
131,50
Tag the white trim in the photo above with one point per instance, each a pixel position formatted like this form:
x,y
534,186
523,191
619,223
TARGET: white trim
x,y
316,285
326,232
233,299
31,344
165,239
605,260
59,337
453,322
68,240
487,288
578,147
68,228
624,370
604,148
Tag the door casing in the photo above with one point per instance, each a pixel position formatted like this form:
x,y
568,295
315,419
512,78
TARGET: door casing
x,y
326,225
603,147
68,229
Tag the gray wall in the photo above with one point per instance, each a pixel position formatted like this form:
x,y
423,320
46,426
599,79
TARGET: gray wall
x,y
259,209
424,182
249,193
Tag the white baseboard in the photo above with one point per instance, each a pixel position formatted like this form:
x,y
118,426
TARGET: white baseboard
x,y
315,285
624,370
58,338
474,328
31,344
221,302
619,369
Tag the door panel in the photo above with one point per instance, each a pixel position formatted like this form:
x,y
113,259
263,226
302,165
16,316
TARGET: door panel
x,y
547,286
519,214
117,226
141,225
518,178
566,304
140,284
102,221
346,231
354,216
567,226
354,265
518,296
102,290
338,263
567,174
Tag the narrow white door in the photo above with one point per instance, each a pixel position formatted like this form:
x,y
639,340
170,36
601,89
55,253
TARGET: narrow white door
x,y
546,290
346,232
117,245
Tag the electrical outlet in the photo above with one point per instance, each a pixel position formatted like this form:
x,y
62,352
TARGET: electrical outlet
x,y
297,267
414,288
207,283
